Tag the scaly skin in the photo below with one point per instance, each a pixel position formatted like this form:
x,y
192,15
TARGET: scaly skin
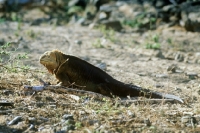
x,y
72,71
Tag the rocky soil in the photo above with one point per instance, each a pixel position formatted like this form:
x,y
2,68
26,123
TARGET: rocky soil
x,y
165,59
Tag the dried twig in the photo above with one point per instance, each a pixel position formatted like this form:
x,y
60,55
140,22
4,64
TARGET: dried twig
x,y
65,90
150,101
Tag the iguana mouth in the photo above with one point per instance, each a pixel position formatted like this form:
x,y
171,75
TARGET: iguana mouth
x,y
49,70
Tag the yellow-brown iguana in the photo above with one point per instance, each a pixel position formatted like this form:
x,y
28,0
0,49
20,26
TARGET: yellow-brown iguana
x,y
70,70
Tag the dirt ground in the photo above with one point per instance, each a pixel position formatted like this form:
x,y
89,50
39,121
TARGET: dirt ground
x,y
173,68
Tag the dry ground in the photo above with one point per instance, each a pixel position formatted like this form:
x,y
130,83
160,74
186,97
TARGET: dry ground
x,y
126,59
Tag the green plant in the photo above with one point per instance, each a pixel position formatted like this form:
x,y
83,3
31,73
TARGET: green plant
x,y
10,61
31,33
153,42
2,20
97,44
108,33
74,10
139,21
78,124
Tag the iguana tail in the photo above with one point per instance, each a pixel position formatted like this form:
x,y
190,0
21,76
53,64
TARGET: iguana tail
x,y
124,90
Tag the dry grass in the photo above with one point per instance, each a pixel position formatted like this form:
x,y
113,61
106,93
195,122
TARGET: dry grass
x,y
47,108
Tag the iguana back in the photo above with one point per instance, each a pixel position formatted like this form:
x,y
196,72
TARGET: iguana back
x,y
94,79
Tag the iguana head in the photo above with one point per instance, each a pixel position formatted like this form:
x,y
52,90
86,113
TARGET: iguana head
x,y
52,60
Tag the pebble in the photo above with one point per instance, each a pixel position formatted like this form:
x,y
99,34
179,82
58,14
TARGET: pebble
x,y
159,85
142,74
62,131
31,127
159,54
185,119
115,25
15,120
67,128
172,68
102,66
197,118
68,122
179,57
188,113
178,89
7,92
44,119
102,16
161,75
32,119
147,122
52,106
79,42
45,130
67,116
131,114
192,75
91,122
198,126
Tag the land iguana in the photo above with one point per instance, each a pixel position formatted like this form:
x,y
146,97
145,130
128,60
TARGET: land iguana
x,y
71,70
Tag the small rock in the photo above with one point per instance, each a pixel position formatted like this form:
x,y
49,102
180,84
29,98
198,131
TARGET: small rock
x,y
7,92
178,89
32,119
44,119
31,127
169,55
62,131
188,114
40,129
79,42
161,75
115,25
185,119
126,9
179,57
197,119
67,128
15,120
90,122
106,8
192,75
159,85
159,54
52,106
189,125
172,68
198,126
68,122
82,112
102,66
103,16
131,114
45,129
142,74
147,122
67,116
2,42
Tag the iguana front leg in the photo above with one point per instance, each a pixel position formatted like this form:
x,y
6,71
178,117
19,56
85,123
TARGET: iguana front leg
x,y
63,79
